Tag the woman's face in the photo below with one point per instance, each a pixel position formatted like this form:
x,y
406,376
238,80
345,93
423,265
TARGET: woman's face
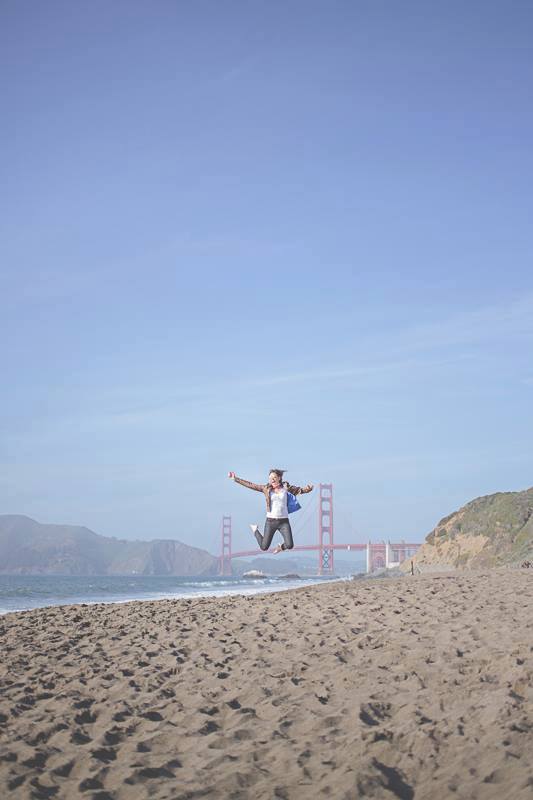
x,y
273,480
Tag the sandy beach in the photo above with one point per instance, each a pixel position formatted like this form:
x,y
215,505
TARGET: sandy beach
x,y
419,687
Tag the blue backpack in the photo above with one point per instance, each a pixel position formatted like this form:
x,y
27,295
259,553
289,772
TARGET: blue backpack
x,y
292,503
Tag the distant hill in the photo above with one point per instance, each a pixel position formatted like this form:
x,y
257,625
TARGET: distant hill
x,y
28,547
490,531
282,564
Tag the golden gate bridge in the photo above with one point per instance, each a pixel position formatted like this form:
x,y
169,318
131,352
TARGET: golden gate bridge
x,y
378,554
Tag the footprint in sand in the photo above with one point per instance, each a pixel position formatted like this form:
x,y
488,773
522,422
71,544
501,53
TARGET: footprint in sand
x,y
105,754
209,727
79,737
90,783
242,735
120,716
374,713
14,783
114,736
154,773
42,791
209,710
64,770
153,716
37,761
86,718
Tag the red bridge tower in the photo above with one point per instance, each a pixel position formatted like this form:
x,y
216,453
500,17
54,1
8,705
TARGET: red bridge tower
x,y
225,560
325,529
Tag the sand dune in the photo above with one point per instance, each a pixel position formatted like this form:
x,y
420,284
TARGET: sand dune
x,y
413,688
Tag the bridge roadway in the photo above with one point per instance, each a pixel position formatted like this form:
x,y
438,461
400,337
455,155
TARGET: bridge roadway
x,y
375,546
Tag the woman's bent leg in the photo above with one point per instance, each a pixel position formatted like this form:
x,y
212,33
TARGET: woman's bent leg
x,y
259,536
286,532
271,526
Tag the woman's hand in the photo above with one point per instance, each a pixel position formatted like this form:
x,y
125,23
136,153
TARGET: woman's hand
x,y
309,487
231,475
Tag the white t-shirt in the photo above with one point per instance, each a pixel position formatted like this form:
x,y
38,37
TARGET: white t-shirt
x,y
278,504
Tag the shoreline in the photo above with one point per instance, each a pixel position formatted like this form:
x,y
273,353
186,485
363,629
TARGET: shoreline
x,y
267,585
416,688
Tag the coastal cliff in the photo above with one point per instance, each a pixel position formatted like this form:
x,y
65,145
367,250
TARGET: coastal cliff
x,y
30,548
490,531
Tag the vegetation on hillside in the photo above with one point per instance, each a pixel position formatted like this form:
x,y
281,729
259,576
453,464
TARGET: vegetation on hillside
x,y
489,531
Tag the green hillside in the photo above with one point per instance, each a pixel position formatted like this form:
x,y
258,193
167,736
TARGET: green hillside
x,y
494,530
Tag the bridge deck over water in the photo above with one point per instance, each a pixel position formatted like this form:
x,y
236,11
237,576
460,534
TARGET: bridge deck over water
x,y
378,554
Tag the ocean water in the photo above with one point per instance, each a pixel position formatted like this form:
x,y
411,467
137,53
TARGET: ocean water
x,y
22,592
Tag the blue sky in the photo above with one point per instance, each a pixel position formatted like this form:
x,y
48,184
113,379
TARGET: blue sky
x,y
247,234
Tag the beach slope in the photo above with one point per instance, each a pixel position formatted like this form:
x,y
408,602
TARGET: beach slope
x,y
419,687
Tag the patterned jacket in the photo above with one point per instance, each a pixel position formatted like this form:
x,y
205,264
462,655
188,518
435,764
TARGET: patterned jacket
x,y
265,488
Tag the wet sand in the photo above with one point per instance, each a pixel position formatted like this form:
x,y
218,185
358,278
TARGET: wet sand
x,y
419,687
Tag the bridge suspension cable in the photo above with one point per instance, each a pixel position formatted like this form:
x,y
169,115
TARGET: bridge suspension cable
x,y
377,554
308,513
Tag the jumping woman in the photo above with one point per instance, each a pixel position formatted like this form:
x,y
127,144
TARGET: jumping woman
x,y
280,502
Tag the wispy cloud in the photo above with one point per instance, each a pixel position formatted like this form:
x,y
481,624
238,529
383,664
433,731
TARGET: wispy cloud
x,y
403,353
347,372
495,322
221,394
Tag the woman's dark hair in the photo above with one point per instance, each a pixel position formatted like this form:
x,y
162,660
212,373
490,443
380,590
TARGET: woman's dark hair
x,y
278,472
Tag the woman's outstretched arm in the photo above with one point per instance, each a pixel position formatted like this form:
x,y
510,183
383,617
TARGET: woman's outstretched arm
x,y
249,485
301,489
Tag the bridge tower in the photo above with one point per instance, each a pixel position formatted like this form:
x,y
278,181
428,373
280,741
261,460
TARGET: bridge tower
x,y
376,556
225,559
325,529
